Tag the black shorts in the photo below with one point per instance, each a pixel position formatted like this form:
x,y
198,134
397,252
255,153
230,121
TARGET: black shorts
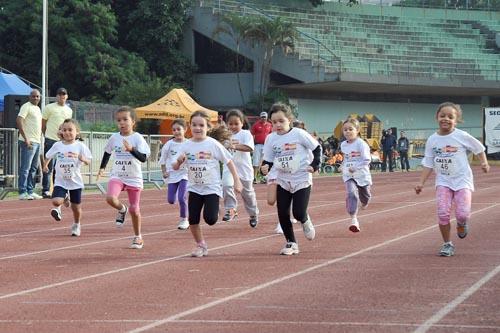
x,y
75,196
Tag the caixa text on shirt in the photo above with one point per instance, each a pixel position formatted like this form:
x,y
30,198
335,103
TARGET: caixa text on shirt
x,y
123,162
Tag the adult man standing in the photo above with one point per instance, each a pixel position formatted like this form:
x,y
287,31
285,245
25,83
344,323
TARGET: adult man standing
x,y
388,145
403,146
29,123
52,117
260,130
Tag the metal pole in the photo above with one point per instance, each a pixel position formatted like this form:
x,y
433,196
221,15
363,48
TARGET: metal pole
x,y
44,52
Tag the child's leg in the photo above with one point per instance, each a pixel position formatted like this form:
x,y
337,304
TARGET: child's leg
x,y
134,197
300,201
75,197
58,195
115,186
463,201
271,193
195,205
211,208
365,195
230,201
283,202
249,198
444,197
352,197
171,192
182,198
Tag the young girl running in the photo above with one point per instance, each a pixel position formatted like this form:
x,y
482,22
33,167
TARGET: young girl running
x,y
70,154
130,150
202,155
241,146
295,154
355,170
176,179
446,154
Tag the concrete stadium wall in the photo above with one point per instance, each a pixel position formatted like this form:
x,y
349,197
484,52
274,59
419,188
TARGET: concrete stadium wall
x,y
323,115
222,89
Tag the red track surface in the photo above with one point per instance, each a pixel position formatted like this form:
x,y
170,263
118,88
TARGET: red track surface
x,y
387,278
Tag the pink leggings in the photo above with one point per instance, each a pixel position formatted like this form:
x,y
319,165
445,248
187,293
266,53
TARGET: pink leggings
x,y
462,200
115,186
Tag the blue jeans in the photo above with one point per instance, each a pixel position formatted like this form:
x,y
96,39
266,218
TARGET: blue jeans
x,y
27,166
46,176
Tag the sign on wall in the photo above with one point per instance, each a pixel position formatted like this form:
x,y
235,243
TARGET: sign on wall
x,y
492,129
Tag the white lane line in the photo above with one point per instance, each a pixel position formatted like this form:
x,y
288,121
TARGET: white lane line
x,y
282,279
431,322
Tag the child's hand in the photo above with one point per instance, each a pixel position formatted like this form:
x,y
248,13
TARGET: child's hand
x,y
181,159
237,185
264,169
165,174
127,145
352,170
100,174
310,169
485,167
45,169
419,188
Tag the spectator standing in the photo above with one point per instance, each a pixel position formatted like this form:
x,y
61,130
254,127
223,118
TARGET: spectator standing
x,y
403,146
333,142
388,142
260,130
29,123
53,116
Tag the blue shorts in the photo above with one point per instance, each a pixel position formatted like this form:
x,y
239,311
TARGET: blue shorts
x,y
75,196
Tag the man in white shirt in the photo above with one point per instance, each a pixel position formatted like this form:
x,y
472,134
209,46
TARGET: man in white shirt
x,y
53,116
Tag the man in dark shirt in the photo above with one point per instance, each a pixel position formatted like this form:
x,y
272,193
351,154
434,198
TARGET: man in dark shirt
x,y
403,146
388,143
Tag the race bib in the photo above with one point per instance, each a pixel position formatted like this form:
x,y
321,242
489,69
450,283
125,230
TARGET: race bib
x,y
446,166
66,170
123,168
200,175
287,164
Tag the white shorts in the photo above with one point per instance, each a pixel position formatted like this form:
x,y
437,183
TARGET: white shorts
x,y
257,155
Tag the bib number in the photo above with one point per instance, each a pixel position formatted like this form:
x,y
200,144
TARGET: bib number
x,y
445,166
287,164
199,176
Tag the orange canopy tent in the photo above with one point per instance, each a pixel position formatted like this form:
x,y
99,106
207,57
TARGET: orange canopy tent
x,y
176,104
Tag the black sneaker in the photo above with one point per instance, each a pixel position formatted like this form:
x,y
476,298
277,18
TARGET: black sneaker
x,y
46,195
120,217
253,221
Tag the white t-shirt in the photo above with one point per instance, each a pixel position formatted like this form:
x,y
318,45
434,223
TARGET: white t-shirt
x,y
291,154
242,159
447,155
202,161
126,167
356,155
169,154
67,163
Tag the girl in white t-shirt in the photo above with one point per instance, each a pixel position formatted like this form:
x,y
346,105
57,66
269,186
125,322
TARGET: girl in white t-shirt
x,y
202,155
70,154
241,146
355,171
130,150
296,155
446,154
176,179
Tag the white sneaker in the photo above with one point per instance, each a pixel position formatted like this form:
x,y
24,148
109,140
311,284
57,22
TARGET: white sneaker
x,y
25,196
75,229
290,249
199,252
278,229
354,227
183,224
137,243
56,214
308,228
36,196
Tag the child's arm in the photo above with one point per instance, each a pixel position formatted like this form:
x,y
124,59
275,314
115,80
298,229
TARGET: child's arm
x,y
46,162
423,177
83,159
314,166
484,161
243,148
237,183
265,167
104,162
164,171
140,156
177,164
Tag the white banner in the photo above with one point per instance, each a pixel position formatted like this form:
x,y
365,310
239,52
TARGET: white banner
x,y
492,129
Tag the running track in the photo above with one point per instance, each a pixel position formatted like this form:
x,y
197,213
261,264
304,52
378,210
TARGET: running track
x,y
387,278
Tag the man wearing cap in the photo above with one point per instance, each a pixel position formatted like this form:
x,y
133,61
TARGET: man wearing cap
x,y
260,130
53,116
29,123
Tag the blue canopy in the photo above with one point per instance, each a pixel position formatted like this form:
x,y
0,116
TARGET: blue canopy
x,y
11,84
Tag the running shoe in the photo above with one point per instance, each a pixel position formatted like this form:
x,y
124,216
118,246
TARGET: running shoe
x,y
308,228
56,214
447,250
137,243
46,195
75,229
36,196
183,224
354,227
25,196
290,248
462,230
199,251
253,221
230,215
120,217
